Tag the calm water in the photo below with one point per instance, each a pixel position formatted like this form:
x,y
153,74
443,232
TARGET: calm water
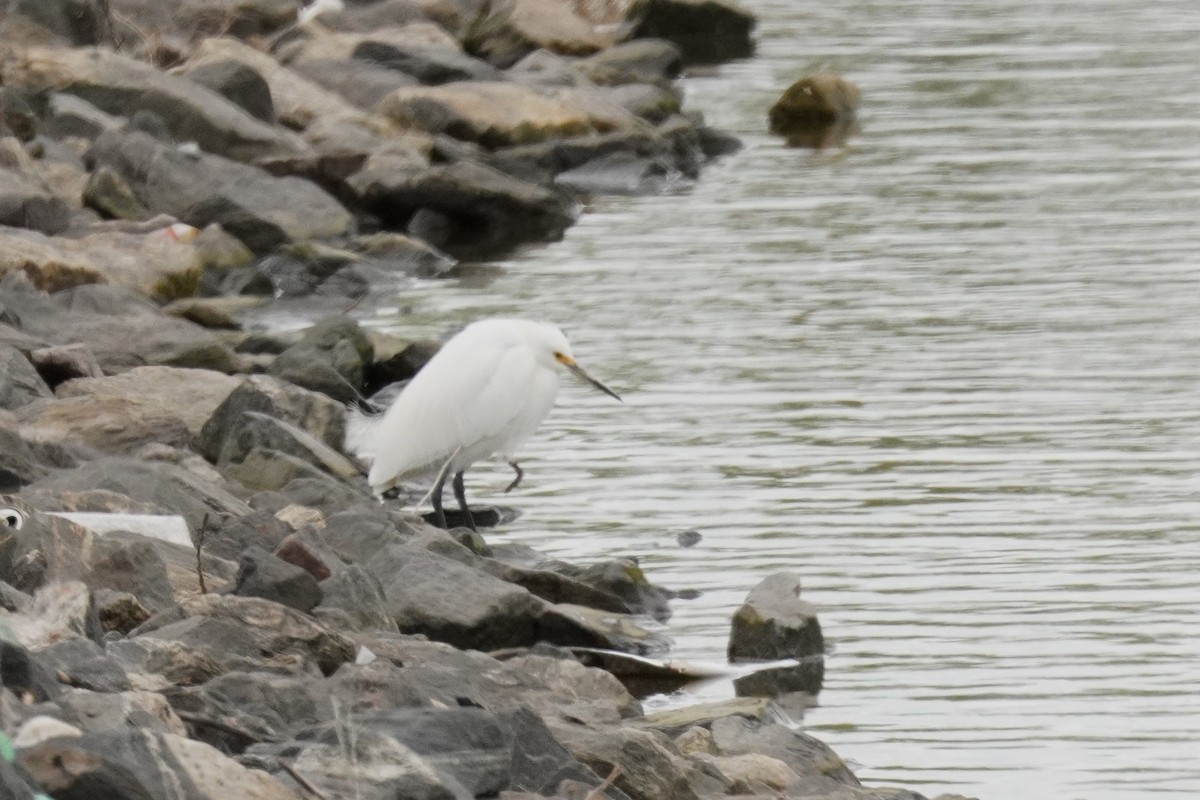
x,y
949,375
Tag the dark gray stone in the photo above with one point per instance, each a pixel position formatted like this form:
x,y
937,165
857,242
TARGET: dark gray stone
x,y
26,675
164,485
261,574
20,383
705,31
84,664
352,599
429,65
480,211
639,61
230,537
261,210
356,81
806,755
79,22
71,116
238,83
310,411
540,763
131,564
775,623
275,629
120,328
140,765
26,202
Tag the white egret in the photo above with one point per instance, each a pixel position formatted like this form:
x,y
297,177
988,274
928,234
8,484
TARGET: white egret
x,y
485,392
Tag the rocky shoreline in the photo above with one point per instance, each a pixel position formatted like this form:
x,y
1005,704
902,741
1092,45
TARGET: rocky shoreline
x,y
199,598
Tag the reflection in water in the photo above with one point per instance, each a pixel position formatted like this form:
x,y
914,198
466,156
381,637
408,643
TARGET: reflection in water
x,y
947,374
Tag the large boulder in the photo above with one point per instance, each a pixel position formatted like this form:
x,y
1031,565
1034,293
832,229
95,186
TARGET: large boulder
x,y
296,100
495,114
120,85
311,412
121,329
706,31
20,383
275,629
464,208
774,623
262,210
428,65
27,202
121,413
512,29
142,764
154,263
816,110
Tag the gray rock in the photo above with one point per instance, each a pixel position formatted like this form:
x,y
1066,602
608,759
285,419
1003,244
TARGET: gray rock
x,y
804,754
775,623
71,116
261,210
638,61
262,432
161,664
108,194
429,65
26,202
163,485
232,536
348,761
452,603
58,364
20,383
141,765
329,358
121,413
234,710
353,600
84,664
506,32
75,22
265,469
60,611
131,564
539,763
26,675
21,463
314,413
238,83
480,210
120,328
120,85
357,81
624,578
275,628
100,711
119,612
649,766
261,574
705,31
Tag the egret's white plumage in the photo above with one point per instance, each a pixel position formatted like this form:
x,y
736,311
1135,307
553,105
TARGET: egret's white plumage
x,y
485,392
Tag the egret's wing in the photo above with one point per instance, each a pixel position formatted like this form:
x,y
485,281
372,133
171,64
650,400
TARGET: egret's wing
x,y
463,400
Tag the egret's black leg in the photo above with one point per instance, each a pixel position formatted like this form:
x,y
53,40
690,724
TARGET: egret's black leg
x,y
460,494
439,514
516,480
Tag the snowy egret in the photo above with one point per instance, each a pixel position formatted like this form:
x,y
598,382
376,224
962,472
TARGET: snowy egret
x,y
485,392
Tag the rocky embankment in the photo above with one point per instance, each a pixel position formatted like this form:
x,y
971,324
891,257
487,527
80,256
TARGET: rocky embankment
x,y
199,598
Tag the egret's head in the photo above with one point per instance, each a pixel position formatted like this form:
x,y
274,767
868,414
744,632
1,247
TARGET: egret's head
x,y
562,354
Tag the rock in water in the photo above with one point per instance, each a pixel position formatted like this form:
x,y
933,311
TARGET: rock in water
x,y
816,111
775,623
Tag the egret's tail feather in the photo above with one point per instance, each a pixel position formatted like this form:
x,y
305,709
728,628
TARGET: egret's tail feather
x,y
360,433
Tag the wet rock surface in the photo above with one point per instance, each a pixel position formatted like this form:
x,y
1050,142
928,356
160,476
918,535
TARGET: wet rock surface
x,y
168,173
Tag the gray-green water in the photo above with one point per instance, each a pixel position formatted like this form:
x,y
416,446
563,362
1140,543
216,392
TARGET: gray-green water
x,y
950,375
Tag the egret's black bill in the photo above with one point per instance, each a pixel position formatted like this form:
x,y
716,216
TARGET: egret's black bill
x,y
583,376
